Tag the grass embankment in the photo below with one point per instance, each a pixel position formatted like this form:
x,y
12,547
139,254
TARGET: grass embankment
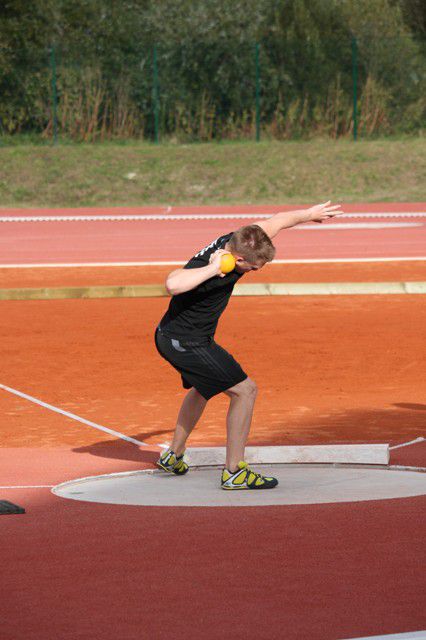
x,y
234,172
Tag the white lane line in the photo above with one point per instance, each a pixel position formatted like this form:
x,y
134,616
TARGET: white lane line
x,y
355,225
411,635
384,214
30,486
73,416
161,263
190,216
406,444
129,218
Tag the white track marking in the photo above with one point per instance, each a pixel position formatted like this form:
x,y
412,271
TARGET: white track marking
x,y
406,444
73,416
161,263
129,218
355,225
30,486
201,216
410,635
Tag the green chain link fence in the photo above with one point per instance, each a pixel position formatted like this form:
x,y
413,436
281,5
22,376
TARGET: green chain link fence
x,y
267,89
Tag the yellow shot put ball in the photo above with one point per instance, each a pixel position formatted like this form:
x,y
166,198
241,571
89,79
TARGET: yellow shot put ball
x,y
227,263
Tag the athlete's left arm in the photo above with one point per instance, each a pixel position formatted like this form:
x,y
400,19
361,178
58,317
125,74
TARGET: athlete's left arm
x,y
287,219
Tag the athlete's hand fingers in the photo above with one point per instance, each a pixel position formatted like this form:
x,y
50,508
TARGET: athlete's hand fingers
x,y
325,206
215,259
216,254
325,211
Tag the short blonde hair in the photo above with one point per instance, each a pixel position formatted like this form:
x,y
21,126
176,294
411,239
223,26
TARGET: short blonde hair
x,y
253,244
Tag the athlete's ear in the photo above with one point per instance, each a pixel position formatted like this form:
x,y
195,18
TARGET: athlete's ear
x,y
239,259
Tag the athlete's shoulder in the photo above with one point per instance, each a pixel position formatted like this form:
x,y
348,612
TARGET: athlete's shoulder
x,y
213,246
202,257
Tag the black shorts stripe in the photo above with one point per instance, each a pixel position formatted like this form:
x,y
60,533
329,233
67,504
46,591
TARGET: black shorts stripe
x,y
214,363
205,366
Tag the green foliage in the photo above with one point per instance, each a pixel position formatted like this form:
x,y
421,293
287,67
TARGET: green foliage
x,y
204,173
206,65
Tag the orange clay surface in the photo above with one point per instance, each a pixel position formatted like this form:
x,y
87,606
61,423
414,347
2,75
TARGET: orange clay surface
x,y
274,272
329,369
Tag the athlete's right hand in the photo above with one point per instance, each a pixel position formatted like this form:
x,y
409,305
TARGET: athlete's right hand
x,y
215,260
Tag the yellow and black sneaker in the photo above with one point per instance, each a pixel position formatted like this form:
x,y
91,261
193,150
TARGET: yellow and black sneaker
x,y
172,463
245,478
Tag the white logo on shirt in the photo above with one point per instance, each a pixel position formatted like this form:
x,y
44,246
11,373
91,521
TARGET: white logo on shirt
x,y
209,246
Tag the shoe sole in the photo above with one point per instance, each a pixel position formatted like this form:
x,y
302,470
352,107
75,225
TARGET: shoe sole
x,y
160,466
247,488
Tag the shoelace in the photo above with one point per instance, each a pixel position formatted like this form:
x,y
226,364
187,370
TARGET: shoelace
x,y
168,455
256,475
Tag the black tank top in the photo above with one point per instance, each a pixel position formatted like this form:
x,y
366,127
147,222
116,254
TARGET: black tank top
x,y
196,313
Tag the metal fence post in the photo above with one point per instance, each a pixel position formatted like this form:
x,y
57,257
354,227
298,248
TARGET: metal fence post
x,y
355,85
257,51
54,95
155,94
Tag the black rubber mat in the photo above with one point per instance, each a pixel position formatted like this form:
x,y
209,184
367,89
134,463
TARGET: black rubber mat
x,y
7,508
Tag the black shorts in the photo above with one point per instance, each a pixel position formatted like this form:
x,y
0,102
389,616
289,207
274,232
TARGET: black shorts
x,y
202,363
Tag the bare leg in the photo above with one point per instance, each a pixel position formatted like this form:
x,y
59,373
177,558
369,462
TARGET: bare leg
x,y
190,412
238,421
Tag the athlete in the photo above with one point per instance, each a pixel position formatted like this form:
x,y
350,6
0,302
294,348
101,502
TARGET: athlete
x,y
185,338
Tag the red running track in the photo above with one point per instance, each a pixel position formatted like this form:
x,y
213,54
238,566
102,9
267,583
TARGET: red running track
x,y
62,242
75,570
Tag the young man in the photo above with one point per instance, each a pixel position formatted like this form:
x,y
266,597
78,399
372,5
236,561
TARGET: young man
x,y
185,338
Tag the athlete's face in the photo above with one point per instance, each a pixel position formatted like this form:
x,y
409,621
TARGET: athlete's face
x,y
242,266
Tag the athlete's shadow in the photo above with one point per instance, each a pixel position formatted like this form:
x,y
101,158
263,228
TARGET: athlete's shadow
x,y
410,405
123,450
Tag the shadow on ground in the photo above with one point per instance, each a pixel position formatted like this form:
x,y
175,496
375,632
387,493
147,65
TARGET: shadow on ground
x,y
123,450
411,405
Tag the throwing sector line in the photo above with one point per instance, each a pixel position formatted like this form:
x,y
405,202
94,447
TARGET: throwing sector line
x,y
73,416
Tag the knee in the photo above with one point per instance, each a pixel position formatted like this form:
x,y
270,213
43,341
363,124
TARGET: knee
x,y
252,387
247,389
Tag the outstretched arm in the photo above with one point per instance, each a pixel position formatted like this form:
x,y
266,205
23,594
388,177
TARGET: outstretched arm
x,y
287,219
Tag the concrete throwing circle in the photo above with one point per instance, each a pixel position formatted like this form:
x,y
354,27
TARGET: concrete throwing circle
x,y
298,484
